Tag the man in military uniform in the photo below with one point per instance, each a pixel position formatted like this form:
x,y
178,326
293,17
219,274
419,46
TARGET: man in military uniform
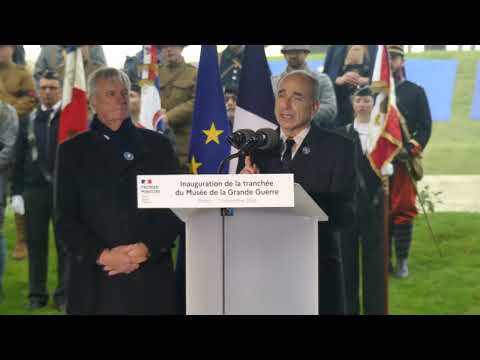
x,y
413,105
231,66
32,189
8,134
52,57
177,92
296,56
16,89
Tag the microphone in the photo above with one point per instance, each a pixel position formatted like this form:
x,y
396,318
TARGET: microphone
x,y
246,139
240,137
268,139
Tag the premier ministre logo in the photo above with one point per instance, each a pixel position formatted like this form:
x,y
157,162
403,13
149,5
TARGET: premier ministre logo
x,y
147,187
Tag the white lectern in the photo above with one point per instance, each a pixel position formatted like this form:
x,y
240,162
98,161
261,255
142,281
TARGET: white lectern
x,y
259,261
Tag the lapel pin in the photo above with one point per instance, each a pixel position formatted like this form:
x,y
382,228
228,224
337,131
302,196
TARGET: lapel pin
x,y
128,156
306,150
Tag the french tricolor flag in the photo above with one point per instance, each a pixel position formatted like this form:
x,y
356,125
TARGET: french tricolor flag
x,y
151,104
384,140
256,101
74,116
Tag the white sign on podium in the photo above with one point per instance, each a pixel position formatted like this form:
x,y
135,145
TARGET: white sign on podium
x,y
215,191
259,261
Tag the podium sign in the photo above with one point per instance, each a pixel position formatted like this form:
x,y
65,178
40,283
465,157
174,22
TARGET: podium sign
x,y
215,191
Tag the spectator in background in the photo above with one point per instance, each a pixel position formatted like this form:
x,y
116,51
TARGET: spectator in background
x,y
135,102
88,66
32,190
52,57
19,55
133,65
231,66
362,242
413,104
177,91
16,89
349,67
8,133
296,56
231,104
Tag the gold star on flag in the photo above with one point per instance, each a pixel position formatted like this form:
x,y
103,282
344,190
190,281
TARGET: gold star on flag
x,y
212,134
194,166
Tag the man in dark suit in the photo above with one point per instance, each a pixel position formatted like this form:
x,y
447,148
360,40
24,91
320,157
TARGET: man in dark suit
x,y
32,189
322,163
120,261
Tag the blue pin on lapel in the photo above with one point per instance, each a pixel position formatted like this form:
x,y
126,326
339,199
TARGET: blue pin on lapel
x,y
306,150
128,156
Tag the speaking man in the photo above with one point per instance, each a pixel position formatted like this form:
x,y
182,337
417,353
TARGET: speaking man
x,y
322,163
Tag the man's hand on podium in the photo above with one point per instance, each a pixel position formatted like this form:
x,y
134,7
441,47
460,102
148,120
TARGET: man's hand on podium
x,y
249,167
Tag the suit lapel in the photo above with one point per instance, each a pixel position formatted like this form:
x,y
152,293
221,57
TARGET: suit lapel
x,y
118,164
308,150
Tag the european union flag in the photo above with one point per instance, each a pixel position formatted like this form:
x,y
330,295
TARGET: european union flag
x,y
210,128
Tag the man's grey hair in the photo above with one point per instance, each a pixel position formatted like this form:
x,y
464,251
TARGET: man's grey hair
x,y
307,74
106,73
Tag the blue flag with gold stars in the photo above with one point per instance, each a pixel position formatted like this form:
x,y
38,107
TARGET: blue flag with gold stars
x,y
210,127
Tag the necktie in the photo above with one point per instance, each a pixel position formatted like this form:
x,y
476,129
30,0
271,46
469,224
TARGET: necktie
x,y
287,155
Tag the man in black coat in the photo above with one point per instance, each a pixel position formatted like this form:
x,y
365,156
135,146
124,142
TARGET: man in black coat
x,y
413,104
120,261
322,163
363,241
32,189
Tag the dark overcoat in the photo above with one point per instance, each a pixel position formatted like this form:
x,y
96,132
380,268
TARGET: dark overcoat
x,y
96,209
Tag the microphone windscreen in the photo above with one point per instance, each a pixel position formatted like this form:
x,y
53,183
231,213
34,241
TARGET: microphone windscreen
x,y
240,137
271,138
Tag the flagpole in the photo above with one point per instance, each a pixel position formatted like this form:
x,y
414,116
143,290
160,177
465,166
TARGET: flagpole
x,y
386,239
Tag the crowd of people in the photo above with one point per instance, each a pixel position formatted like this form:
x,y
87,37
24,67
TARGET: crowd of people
x,y
121,256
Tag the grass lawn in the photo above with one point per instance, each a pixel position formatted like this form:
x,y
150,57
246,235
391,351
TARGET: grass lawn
x,y
447,285
15,280
454,148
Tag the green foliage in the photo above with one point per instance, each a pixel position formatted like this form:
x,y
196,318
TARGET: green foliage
x,y
446,285
429,198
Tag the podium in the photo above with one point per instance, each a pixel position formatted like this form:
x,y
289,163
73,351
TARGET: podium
x,y
257,261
